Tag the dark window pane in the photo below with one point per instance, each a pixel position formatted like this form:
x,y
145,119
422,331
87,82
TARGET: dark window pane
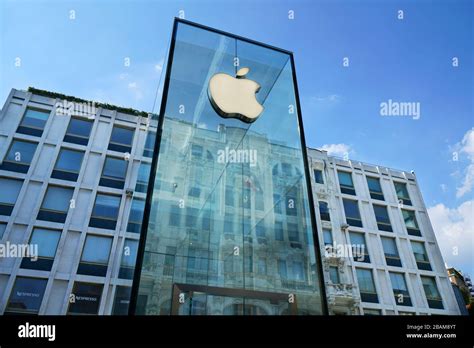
x,y
26,296
318,176
87,298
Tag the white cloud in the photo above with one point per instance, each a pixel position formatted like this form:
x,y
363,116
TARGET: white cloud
x,y
341,150
454,229
132,85
467,147
159,66
325,100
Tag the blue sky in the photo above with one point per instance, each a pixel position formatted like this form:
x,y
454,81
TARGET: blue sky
x,y
406,60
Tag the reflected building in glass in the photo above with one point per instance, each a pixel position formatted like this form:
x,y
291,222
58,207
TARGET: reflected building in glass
x,y
228,227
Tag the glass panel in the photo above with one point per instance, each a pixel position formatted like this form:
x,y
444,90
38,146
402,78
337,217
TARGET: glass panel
x,y
345,179
334,275
381,214
69,160
351,208
10,189
242,160
57,198
27,295
96,249
318,176
115,168
365,280
46,240
87,298
106,206
398,281
327,234
374,184
79,127
122,135
431,290
410,219
401,189
136,212
389,246
21,152
419,251
35,118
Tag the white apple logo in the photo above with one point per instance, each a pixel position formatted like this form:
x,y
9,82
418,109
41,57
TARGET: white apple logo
x,y
234,97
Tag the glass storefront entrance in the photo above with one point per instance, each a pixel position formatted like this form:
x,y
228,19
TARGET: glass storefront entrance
x,y
229,227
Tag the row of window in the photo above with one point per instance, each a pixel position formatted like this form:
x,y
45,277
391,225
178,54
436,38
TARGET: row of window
x,y
79,130
94,258
368,292
389,247
27,295
353,217
346,186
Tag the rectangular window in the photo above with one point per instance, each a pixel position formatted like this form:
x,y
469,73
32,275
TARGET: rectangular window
x,y
47,243
86,299
327,236
279,235
276,203
382,218
229,224
78,131
136,215
68,165
33,122
359,247
392,258
121,139
259,202
286,169
175,216
402,193
324,211
334,275
245,199
122,300
105,211
421,256
95,256
143,177
318,176
282,271
351,209
367,289
3,227
262,266
191,216
129,257
10,189
375,189
26,296
432,294
194,192
196,151
149,144
298,271
293,232
229,196
19,156
345,183
114,172
400,290
55,204
410,222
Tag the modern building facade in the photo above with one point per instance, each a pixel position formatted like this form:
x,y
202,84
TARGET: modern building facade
x,y
74,184
237,219
400,269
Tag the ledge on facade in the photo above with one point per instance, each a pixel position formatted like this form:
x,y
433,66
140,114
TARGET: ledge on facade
x,y
128,111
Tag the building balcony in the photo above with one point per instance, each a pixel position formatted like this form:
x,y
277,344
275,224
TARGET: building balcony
x,y
342,298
